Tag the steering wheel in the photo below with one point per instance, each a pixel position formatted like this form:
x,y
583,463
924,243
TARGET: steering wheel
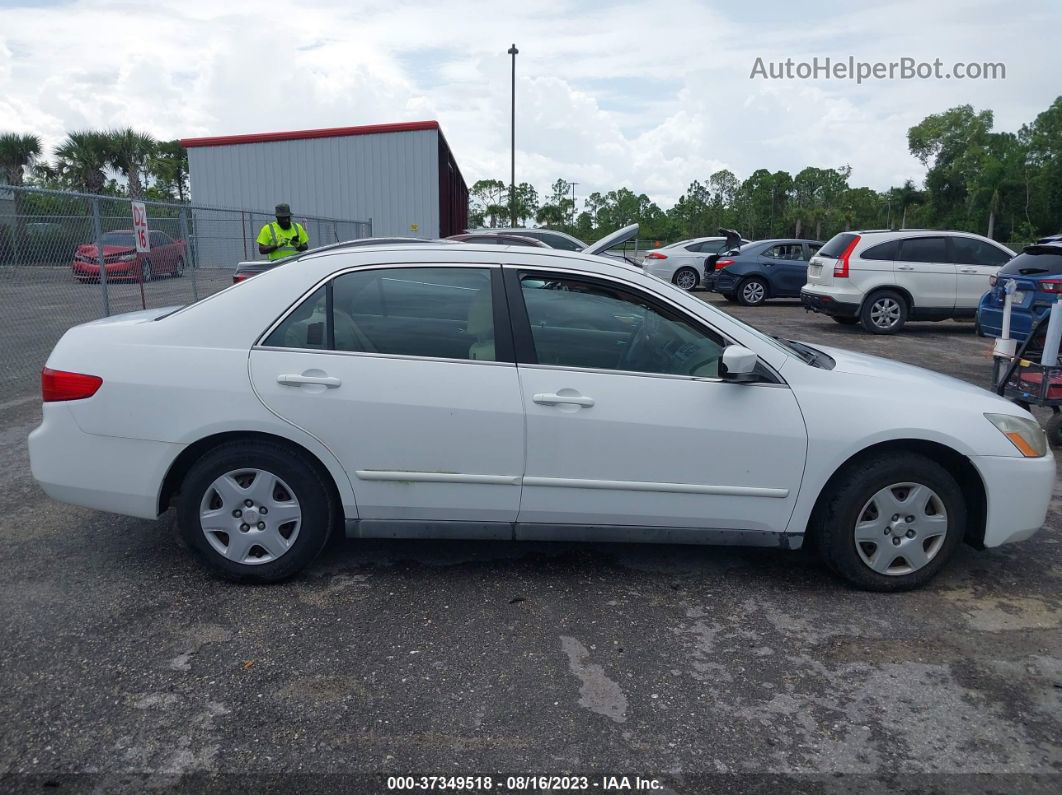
x,y
638,342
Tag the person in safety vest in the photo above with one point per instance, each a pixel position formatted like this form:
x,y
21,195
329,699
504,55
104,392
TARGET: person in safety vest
x,y
283,237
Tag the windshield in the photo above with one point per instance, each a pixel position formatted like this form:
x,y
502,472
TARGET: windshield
x,y
118,239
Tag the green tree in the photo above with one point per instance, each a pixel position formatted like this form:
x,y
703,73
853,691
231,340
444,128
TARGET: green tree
x,y
489,201
168,165
128,153
81,160
18,152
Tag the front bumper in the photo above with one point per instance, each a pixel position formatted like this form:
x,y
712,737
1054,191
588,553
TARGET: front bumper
x,y
108,473
828,305
1019,492
115,270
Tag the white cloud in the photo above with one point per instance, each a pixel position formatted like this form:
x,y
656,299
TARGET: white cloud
x,y
646,95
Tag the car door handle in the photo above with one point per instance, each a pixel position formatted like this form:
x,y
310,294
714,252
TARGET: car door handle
x,y
293,379
905,267
968,270
550,399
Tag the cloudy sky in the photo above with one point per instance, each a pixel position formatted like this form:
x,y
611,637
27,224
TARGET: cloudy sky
x,y
648,95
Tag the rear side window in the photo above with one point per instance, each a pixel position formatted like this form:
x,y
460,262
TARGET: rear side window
x,y
882,251
836,245
431,312
1034,264
968,251
923,249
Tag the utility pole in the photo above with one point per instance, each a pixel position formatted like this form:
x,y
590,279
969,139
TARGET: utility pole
x,y
573,184
512,176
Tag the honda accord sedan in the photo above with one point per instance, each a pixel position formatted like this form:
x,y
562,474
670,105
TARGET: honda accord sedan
x,y
493,392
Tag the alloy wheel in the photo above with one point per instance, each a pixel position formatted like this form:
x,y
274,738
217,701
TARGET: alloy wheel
x,y
753,292
885,312
250,516
901,529
686,279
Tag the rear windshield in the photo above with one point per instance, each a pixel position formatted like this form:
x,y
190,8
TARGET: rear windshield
x,y
1034,264
836,245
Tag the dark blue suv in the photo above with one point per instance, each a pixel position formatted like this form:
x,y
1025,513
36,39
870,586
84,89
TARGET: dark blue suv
x,y
761,270
1037,273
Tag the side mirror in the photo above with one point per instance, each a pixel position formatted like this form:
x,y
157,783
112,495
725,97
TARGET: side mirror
x,y
738,364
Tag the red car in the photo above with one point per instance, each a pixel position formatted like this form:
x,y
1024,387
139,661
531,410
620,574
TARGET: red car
x,y
122,261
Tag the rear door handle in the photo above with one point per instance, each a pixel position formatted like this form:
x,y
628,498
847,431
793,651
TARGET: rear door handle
x,y
905,267
550,399
293,379
968,270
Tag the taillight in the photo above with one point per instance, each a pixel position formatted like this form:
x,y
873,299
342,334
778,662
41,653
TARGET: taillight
x,y
840,269
60,385
722,263
1050,286
655,255
240,277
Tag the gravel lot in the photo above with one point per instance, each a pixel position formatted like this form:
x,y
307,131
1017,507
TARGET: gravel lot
x,y
123,659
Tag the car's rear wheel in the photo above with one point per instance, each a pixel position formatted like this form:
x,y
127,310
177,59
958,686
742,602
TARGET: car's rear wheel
x,y
844,321
254,511
147,271
686,278
890,523
752,291
884,312
178,269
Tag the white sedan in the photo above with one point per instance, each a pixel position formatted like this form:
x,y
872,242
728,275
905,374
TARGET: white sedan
x,y
486,392
683,263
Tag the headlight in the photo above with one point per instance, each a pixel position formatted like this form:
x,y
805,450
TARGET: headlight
x,y
127,258
1026,435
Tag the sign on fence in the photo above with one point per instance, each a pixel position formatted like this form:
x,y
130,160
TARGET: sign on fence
x,y
140,227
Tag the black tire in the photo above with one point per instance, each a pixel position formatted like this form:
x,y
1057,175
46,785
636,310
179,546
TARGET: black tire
x,y
684,274
1053,429
882,306
832,529
178,269
730,299
314,497
147,271
752,291
844,321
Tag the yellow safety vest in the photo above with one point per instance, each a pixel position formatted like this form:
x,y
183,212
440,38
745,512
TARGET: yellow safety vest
x,y
287,240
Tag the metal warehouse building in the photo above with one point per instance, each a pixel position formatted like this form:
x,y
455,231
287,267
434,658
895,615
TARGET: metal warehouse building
x,y
402,177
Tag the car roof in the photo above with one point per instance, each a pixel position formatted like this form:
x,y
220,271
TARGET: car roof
x,y
772,240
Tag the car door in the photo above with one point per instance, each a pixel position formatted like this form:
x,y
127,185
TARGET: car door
x,y
924,268
976,262
786,268
399,372
629,423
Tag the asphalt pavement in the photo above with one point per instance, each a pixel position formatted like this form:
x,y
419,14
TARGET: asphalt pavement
x,y
127,666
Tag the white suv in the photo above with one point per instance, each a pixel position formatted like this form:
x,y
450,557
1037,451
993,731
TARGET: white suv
x,y
883,278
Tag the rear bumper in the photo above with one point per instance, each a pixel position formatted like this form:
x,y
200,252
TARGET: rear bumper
x,y
828,305
1019,491
107,473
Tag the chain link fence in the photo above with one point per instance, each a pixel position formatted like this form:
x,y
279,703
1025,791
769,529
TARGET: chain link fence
x,y
67,258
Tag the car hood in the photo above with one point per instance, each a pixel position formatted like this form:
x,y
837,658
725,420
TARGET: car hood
x,y
864,364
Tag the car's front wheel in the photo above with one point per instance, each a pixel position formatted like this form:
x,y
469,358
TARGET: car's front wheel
x,y
147,271
890,523
255,511
686,278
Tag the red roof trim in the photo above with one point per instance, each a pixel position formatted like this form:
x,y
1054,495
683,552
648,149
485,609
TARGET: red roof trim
x,y
297,135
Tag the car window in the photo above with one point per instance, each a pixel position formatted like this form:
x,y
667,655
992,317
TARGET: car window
x,y
119,239
836,245
785,251
923,249
813,249
589,324
882,251
1034,263
559,241
968,251
432,312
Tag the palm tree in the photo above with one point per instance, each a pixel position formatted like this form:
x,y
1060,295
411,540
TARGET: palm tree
x,y
17,152
81,160
128,152
906,196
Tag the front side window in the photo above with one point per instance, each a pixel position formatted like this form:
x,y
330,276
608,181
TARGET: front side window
x,y
432,312
923,249
588,324
968,251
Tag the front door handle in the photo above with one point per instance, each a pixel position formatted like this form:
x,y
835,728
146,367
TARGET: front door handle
x,y
968,270
293,379
905,267
550,399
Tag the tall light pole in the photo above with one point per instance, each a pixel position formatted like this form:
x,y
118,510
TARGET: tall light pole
x,y
512,176
573,184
